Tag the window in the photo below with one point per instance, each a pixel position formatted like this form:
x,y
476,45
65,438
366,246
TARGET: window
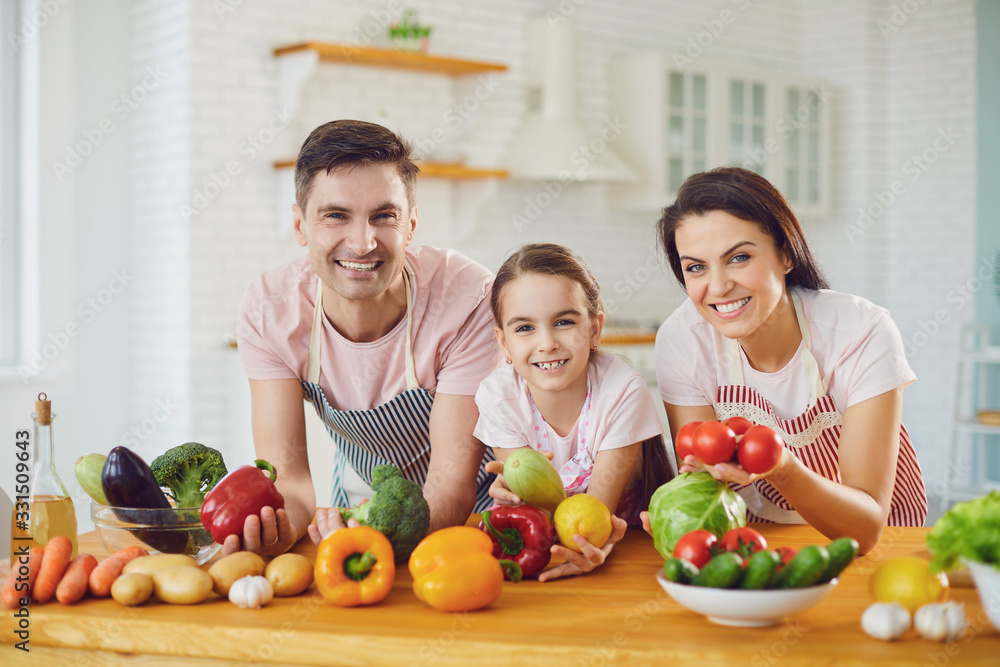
x,y
10,338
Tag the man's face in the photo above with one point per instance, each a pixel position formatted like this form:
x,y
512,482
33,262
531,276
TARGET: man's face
x,y
357,224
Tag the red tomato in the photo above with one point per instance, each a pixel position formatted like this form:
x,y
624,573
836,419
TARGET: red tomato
x,y
695,546
786,554
714,442
743,541
685,440
760,450
740,425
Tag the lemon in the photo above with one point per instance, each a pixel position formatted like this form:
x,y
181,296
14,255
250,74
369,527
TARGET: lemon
x,y
909,581
584,515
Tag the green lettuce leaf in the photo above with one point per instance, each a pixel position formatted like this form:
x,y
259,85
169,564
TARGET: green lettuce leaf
x,y
690,501
969,530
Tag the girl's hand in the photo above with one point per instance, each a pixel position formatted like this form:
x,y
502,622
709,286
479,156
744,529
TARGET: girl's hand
x,y
644,517
592,557
328,521
498,489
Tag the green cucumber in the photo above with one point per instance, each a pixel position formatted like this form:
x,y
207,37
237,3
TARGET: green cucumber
x,y
679,570
760,568
805,569
842,551
723,571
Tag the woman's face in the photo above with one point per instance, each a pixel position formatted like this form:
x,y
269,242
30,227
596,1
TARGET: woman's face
x,y
733,273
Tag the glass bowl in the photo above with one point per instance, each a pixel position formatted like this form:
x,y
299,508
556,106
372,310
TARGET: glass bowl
x,y
170,531
727,606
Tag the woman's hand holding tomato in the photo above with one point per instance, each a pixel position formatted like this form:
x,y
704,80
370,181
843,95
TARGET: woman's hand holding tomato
x,y
732,451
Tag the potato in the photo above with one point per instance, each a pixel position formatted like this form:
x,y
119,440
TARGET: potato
x,y
181,585
289,574
132,589
152,563
234,566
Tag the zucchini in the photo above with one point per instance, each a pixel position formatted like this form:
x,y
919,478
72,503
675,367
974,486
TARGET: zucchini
x,y
723,571
761,566
805,569
679,570
842,551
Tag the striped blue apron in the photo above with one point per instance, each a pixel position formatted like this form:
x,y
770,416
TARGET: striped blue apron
x,y
395,433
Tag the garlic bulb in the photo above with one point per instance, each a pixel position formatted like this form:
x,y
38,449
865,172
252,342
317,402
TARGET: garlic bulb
x,y
885,620
942,622
251,592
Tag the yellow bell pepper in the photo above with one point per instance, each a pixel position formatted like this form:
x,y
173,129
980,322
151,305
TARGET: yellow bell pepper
x,y
355,566
454,570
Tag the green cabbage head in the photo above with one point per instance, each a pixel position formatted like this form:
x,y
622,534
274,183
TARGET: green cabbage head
x,y
690,501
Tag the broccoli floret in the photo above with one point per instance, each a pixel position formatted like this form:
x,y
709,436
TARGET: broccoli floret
x,y
397,509
187,472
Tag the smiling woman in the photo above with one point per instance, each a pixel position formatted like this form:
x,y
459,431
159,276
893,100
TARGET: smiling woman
x,y
761,337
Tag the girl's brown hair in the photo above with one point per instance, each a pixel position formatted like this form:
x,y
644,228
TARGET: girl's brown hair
x,y
748,196
558,260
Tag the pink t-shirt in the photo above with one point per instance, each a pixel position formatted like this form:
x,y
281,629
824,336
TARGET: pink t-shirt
x,y
856,345
622,411
454,347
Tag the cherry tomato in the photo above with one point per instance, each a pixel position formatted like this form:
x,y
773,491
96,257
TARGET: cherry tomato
x,y
786,554
696,546
743,541
760,450
714,442
685,440
740,425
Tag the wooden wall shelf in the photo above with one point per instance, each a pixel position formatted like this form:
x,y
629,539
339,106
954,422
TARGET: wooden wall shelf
x,y
376,57
437,170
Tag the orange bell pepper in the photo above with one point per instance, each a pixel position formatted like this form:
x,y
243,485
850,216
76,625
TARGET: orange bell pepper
x,y
454,569
355,566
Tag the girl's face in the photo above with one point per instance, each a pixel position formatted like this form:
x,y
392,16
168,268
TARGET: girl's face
x,y
734,274
547,333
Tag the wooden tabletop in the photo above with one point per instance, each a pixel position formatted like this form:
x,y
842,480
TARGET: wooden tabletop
x,y
616,615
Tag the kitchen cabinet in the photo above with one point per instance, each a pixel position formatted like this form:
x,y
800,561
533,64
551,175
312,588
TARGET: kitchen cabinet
x,y
683,118
974,442
298,62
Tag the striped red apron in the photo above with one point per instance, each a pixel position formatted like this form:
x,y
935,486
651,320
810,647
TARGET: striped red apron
x,y
814,438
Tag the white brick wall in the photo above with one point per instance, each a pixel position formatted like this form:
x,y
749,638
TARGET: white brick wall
x,y
893,92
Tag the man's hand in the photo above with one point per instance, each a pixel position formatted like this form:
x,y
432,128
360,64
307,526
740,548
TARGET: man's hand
x,y
269,534
328,521
591,558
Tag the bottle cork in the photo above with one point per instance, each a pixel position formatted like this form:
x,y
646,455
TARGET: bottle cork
x,y
43,409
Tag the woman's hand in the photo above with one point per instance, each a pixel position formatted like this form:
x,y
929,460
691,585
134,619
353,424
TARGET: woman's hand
x,y
269,534
328,521
591,558
731,472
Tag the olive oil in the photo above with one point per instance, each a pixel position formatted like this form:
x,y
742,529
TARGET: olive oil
x,y
49,511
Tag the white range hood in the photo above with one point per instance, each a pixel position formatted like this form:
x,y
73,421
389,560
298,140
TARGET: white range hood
x,y
551,144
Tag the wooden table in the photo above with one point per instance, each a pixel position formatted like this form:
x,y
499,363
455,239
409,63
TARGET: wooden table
x,y
617,615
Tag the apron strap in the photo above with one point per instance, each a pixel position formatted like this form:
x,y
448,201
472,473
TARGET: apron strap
x,y
316,337
734,362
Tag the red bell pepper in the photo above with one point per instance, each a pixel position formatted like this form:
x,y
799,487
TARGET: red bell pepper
x,y
523,534
241,493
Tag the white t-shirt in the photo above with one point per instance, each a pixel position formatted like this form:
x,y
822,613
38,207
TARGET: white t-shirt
x,y
856,345
454,347
622,411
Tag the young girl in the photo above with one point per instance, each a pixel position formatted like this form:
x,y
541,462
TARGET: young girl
x,y
762,337
557,394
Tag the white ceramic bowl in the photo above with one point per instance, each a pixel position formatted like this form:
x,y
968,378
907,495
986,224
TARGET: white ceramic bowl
x,y
987,578
737,607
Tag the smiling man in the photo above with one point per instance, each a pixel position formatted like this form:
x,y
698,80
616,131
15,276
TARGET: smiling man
x,y
387,340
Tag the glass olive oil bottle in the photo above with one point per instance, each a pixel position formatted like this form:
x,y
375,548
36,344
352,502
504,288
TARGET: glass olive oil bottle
x,y
50,509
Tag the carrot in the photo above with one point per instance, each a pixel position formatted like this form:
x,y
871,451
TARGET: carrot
x,y
57,554
74,583
105,574
13,590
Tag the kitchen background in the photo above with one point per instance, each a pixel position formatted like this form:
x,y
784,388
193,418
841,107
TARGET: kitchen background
x,y
151,198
